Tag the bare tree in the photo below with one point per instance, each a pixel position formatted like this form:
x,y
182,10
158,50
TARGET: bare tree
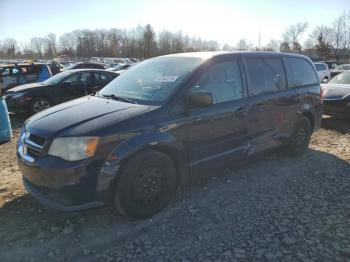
x,y
285,47
9,46
26,48
149,42
293,33
227,47
273,45
50,45
164,42
321,31
339,34
67,43
242,45
37,44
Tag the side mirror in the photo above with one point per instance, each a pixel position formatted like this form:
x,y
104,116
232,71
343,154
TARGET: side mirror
x,y
66,84
200,99
325,81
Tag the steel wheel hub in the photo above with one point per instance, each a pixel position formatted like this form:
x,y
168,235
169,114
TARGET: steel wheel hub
x,y
148,185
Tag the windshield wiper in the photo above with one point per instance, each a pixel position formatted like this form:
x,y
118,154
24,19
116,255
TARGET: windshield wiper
x,y
119,98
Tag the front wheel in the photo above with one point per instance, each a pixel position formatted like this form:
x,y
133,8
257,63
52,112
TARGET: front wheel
x,y
145,184
300,137
39,104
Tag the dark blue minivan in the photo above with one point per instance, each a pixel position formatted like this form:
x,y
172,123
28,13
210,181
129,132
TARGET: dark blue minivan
x,y
153,128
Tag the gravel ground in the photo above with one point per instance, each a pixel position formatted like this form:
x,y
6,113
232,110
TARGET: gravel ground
x,y
271,209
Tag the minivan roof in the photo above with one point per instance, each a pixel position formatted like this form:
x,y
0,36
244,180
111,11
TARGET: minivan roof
x,y
89,69
210,54
20,64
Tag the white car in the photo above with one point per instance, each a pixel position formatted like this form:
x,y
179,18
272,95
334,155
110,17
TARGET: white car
x,y
323,72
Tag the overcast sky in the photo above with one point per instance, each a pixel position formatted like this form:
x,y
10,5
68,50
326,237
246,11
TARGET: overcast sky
x,y
221,20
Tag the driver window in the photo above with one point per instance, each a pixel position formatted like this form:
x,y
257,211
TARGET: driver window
x,y
74,79
223,81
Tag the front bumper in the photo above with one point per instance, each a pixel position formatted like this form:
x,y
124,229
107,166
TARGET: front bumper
x,y
56,199
65,185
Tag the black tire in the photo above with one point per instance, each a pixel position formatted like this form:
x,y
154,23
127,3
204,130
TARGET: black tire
x,y
145,184
300,138
39,104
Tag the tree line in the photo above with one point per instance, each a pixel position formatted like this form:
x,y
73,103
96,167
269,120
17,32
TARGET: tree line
x,y
140,42
324,42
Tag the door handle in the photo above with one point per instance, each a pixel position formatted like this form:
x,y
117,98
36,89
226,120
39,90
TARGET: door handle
x,y
259,107
242,111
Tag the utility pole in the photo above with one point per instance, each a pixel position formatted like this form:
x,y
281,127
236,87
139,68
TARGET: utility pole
x,y
259,40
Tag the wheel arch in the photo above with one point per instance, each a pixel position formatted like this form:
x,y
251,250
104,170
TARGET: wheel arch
x,y
310,116
123,152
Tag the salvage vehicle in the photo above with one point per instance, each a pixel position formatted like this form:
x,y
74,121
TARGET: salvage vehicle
x,y
119,67
82,65
165,121
323,72
60,88
336,96
339,69
19,74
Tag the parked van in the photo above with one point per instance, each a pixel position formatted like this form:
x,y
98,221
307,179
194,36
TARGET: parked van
x,y
164,120
323,72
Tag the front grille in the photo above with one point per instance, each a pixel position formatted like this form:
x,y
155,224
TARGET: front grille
x,y
33,144
37,139
33,152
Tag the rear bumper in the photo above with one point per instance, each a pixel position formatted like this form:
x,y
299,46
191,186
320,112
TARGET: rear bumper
x,y
336,107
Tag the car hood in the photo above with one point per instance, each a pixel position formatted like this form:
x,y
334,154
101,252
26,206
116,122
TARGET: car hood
x,y
336,91
23,88
82,117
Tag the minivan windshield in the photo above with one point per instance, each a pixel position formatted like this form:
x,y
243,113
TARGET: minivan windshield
x,y
152,81
341,79
56,78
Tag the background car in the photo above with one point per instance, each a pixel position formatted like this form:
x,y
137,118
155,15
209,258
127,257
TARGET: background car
x,y
82,65
339,69
14,75
336,96
322,71
60,88
119,67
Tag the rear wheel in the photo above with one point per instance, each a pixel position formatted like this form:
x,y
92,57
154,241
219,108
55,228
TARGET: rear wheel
x,y
300,137
39,104
145,184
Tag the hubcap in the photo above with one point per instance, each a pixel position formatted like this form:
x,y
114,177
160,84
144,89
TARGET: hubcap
x,y
148,186
40,105
300,136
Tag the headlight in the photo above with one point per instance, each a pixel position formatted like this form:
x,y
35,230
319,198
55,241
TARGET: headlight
x,y
74,148
17,95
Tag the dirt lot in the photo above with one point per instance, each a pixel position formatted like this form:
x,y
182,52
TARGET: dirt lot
x,y
273,209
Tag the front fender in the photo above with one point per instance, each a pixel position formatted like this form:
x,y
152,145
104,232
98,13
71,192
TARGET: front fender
x,y
163,142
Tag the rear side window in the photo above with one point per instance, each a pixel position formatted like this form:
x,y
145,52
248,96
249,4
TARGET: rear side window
x,y
321,67
266,75
299,72
318,67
